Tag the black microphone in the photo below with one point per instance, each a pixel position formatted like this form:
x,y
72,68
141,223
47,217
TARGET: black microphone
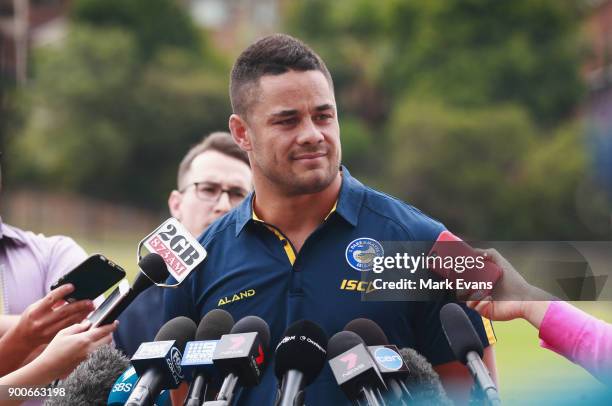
x,y
156,272
423,383
354,369
240,356
387,358
91,381
467,347
197,360
158,363
300,357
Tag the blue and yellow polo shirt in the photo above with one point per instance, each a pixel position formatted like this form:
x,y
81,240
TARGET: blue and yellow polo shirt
x,y
252,269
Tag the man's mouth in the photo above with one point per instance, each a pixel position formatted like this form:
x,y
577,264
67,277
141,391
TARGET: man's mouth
x,y
309,156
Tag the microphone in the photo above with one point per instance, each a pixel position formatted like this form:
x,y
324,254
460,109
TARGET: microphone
x,y
354,370
197,361
300,357
154,266
423,383
467,347
158,363
387,358
123,387
91,381
240,356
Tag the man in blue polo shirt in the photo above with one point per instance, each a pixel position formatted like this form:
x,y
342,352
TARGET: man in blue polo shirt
x,y
289,251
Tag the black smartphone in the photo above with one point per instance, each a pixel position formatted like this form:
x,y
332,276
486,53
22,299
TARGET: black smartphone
x,y
91,278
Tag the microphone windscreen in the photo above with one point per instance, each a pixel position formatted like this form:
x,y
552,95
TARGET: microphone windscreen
x,y
423,382
459,331
253,324
181,329
303,349
155,268
369,331
341,342
214,324
92,380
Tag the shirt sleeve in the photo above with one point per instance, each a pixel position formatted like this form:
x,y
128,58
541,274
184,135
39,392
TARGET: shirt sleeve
x,y
64,255
579,337
432,340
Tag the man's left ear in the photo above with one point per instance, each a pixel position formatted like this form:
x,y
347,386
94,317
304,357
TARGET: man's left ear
x,y
174,204
239,129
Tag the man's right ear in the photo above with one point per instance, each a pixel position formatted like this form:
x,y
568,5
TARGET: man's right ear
x,y
174,204
240,132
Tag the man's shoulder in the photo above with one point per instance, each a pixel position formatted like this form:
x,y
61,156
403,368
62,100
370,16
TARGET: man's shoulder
x,y
384,207
222,227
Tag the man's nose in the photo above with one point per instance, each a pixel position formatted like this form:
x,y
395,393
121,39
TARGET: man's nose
x,y
223,204
310,133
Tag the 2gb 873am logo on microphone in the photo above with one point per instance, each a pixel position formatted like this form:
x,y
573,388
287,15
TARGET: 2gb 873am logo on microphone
x,y
179,250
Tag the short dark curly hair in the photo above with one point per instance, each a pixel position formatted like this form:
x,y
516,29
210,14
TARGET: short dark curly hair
x,y
272,55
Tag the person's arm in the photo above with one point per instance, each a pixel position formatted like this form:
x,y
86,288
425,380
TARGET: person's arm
x,y
579,337
563,328
66,351
6,322
458,381
38,324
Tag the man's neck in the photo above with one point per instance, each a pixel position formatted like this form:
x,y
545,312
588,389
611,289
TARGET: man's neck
x,y
296,215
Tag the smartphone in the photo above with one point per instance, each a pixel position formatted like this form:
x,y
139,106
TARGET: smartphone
x,y
102,314
449,245
91,278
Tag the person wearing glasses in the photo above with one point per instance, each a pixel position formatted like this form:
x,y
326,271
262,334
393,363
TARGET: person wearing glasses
x,y
213,177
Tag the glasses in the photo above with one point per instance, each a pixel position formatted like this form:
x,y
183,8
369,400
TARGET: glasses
x,y
211,192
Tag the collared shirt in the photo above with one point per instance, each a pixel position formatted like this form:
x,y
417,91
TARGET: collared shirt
x,y
31,263
252,269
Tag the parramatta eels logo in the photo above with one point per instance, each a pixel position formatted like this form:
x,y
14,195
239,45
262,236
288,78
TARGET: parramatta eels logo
x,y
360,253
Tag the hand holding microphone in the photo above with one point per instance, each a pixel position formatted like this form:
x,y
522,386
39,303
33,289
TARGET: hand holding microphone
x,y
512,297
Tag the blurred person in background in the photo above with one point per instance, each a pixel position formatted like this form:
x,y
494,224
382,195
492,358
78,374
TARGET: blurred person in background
x,y
213,177
564,329
29,264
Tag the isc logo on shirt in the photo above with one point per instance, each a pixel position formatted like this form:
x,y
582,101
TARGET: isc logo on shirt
x,y
356,285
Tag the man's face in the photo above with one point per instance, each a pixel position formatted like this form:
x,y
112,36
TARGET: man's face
x,y
212,171
294,132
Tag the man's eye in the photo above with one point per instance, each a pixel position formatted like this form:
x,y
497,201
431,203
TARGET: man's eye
x,y
323,117
289,121
208,189
238,194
